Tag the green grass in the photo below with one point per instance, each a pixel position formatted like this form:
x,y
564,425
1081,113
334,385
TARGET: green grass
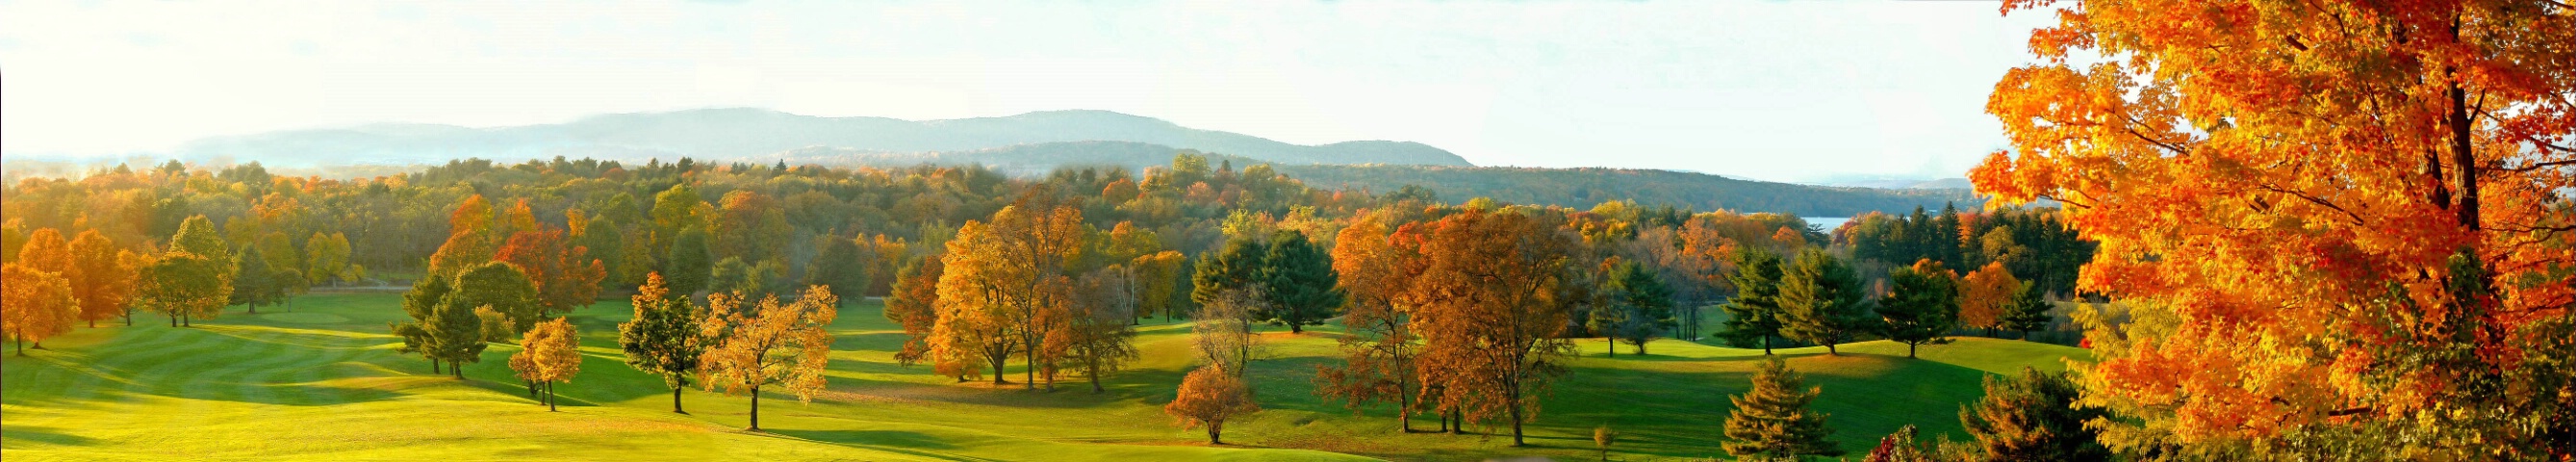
x,y
323,382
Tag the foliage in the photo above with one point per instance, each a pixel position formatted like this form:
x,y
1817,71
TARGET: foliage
x,y
769,343
1772,421
564,276
1377,265
1491,334
37,304
2344,216
1644,304
843,267
1986,295
1921,306
1755,313
914,305
2032,416
504,288
1821,301
102,278
689,268
548,354
1298,278
663,337
1209,397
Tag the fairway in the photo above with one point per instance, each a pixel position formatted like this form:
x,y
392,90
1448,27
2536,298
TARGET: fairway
x,y
323,382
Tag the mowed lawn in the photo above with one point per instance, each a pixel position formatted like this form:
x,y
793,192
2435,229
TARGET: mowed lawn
x,y
322,381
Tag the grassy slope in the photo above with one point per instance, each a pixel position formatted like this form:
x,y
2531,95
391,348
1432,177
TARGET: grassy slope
x,y
323,382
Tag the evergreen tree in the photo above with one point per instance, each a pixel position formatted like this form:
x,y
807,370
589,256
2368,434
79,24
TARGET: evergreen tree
x,y
1236,267
1302,287
421,304
1772,421
2027,312
1821,301
841,266
1645,305
254,283
1921,306
689,267
455,335
1754,314
2032,417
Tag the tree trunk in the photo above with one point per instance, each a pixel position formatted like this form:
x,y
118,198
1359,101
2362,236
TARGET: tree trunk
x,y
755,408
1516,423
1613,346
22,347
1766,344
550,397
675,401
457,367
1295,327
434,368
1095,381
1215,427
1909,350
1641,348
1403,410
997,373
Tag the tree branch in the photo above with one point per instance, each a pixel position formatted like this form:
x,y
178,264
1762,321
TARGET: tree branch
x,y
2356,218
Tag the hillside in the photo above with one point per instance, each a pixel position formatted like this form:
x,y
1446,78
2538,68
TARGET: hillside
x,y
323,382
1583,187
758,134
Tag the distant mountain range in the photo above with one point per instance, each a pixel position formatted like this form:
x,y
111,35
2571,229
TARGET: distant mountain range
x,y
1585,187
759,134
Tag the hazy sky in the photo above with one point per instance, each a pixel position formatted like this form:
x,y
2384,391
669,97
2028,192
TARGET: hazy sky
x,y
1773,90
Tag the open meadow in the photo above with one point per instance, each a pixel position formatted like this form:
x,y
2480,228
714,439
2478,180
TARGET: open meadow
x,y
323,382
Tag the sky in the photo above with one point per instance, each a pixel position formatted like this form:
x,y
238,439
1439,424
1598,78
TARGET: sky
x,y
1778,90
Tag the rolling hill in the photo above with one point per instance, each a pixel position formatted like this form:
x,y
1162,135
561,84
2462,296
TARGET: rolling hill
x,y
1584,187
324,382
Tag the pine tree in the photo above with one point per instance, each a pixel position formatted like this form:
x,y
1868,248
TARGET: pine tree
x,y
1821,302
455,335
1921,306
663,337
2032,416
1754,313
1772,421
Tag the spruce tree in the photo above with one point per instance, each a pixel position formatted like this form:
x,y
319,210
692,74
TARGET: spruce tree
x,y
1302,287
1645,305
456,335
1772,421
1921,306
1754,313
2027,312
1821,302
1236,267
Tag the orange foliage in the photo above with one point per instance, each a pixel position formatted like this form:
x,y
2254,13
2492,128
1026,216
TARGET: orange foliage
x,y
35,305
564,281
2285,188
1208,397
767,343
1984,296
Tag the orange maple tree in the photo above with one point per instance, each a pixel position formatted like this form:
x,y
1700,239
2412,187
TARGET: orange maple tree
x,y
2331,216
1208,397
565,276
1491,331
35,305
1984,294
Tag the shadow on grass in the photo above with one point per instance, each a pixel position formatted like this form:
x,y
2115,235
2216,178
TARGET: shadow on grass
x,y
903,442
45,435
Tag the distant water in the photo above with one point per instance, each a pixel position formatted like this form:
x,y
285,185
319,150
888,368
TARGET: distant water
x,y
1828,223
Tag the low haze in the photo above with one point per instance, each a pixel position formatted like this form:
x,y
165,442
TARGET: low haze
x,y
1794,91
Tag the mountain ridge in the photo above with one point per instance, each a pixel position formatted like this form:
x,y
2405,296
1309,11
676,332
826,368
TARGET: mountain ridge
x,y
761,134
